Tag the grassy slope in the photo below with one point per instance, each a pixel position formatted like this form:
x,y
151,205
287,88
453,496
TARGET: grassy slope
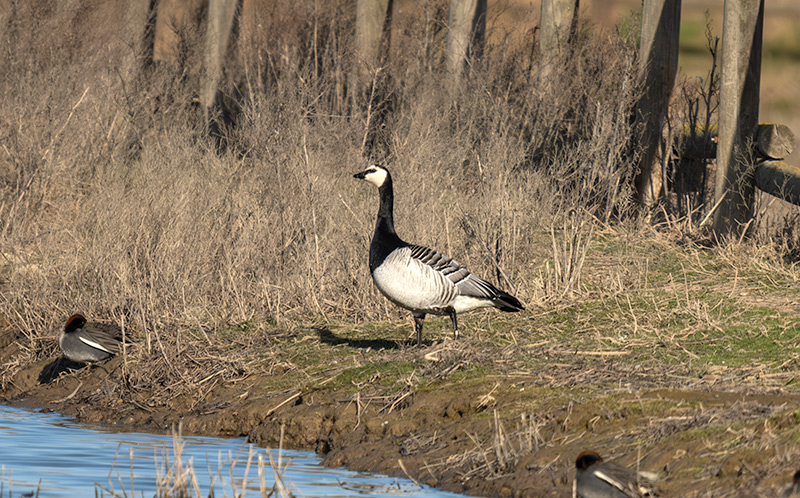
x,y
688,371
682,358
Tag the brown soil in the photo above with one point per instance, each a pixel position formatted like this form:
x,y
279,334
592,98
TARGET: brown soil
x,y
499,435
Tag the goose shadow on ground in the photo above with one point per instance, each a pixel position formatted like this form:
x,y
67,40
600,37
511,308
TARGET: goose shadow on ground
x,y
328,337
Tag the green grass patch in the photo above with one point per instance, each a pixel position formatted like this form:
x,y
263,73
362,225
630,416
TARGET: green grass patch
x,y
376,374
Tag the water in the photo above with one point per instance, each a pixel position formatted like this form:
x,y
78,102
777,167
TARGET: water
x,y
74,460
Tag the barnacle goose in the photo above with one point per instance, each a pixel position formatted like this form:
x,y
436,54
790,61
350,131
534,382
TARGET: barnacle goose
x,y
420,279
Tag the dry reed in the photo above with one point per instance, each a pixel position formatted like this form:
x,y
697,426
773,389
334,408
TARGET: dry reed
x,y
113,203
176,476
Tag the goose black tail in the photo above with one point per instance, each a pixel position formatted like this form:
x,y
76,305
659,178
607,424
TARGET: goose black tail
x,y
506,302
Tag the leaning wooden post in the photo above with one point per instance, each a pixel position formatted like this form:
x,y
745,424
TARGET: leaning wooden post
x,y
466,27
137,13
779,179
557,24
658,66
373,22
218,34
7,13
738,114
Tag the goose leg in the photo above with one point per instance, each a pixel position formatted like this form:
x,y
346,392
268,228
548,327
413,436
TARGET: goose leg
x,y
418,319
455,324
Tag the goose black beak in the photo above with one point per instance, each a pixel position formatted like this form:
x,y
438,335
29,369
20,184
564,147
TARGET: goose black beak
x,y
361,175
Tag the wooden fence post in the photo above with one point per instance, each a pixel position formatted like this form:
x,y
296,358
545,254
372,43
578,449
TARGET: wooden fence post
x,y
557,24
779,179
7,8
218,34
373,19
137,15
173,19
466,27
658,66
738,114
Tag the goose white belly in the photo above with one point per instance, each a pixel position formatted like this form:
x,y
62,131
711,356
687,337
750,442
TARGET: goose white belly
x,y
468,303
413,285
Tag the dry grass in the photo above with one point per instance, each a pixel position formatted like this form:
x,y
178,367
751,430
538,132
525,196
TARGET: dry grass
x,y
5,480
176,476
114,203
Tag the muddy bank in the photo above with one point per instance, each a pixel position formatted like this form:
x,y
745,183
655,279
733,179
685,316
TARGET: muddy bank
x,y
369,433
487,434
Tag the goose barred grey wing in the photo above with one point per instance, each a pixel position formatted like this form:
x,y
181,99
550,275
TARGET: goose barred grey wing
x,y
435,259
467,283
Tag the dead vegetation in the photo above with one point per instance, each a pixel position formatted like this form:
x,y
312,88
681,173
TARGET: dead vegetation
x,y
116,203
238,261
176,476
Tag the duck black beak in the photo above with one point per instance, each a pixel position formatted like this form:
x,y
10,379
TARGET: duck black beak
x,y
361,175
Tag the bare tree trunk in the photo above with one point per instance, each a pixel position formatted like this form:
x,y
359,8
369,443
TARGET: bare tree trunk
x,y
658,66
558,21
738,114
466,24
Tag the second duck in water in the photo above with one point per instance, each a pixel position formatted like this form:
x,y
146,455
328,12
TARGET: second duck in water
x,y
420,279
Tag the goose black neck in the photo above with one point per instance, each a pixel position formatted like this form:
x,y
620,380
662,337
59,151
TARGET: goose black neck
x,y
385,239
385,220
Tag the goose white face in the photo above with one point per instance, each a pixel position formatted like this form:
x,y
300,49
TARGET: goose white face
x,y
375,175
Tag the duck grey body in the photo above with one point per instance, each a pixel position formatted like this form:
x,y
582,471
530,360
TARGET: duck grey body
x,y
88,342
595,478
420,279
